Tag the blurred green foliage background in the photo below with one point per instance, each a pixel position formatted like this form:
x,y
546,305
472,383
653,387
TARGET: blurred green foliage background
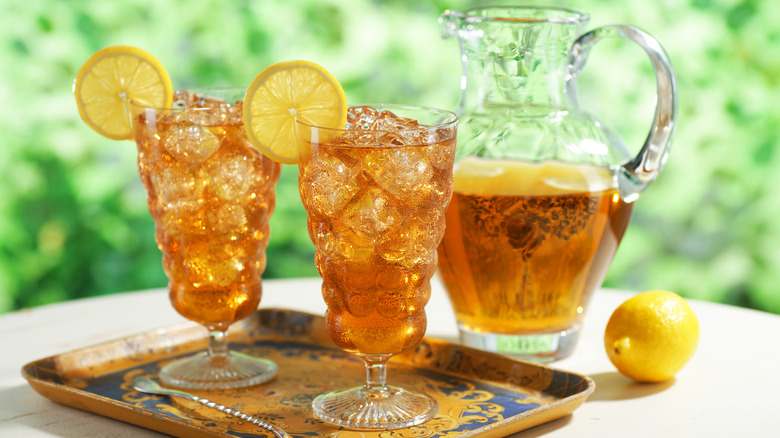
x,y
73,218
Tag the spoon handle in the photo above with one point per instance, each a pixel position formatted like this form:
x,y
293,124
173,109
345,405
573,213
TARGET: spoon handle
x,y
238,414
150,386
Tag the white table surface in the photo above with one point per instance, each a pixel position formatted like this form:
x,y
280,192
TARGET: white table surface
x,y
729,388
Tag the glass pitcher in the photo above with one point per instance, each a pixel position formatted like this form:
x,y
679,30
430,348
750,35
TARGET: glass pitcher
x,y
543,190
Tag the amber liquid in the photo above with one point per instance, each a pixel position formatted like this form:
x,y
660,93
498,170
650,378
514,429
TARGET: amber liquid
x,y
376,217
210,194
528,263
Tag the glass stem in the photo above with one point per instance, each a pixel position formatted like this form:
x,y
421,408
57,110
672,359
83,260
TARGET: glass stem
x,y
376,372
218,344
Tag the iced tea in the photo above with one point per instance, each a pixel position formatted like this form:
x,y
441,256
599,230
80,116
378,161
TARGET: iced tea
x,y
527,244
375,196
210,193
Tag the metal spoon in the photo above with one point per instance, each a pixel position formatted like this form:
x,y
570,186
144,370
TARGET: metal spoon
x,y
145,384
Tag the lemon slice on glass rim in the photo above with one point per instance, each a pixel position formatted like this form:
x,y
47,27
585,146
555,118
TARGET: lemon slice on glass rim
x,y
283,92
113,76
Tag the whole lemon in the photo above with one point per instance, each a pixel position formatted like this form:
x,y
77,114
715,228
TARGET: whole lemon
x,y
651,336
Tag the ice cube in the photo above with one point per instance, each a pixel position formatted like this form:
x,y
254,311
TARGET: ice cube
x,y
361,117
362,140
409,130
391,140
227,112
399,171
395,124
346,140
181,98
200,116
412,243
175,183
227,218
191,143
351,246
419,136
200,100
230,175
330,183
181,217
370,214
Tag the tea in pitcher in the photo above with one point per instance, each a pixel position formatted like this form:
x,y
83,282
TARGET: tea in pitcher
x,y
543,189
525,247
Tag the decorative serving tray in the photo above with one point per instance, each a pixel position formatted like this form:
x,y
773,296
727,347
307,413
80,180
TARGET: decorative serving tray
x,y
478,393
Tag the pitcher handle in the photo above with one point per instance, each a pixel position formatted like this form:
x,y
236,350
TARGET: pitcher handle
x,y
638,173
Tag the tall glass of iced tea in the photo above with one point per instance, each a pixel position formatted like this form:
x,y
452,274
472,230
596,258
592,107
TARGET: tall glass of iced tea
x,y
375,194
210,193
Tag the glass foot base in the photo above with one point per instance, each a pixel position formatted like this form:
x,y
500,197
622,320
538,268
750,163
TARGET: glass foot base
x,y
233,370
387,408
539,347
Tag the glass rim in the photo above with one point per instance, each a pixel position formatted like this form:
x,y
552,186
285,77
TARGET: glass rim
x,y
198,90
452,117
575,16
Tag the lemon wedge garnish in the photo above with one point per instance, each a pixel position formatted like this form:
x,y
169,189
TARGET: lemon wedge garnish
x,y
283,92
113,76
